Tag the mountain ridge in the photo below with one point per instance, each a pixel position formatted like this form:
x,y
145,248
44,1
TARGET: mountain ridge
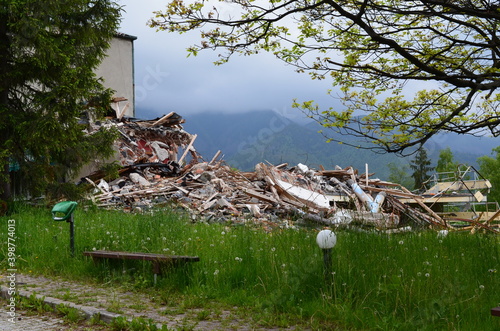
x,y
248,138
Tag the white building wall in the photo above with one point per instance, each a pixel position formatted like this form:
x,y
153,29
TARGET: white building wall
x,y
117,71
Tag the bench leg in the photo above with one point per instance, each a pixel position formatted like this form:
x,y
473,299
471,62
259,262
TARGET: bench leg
x,y
156,270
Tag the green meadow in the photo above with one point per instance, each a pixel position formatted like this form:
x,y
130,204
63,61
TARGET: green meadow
x,y
410,281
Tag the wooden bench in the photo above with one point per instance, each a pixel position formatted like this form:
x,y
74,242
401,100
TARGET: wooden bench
x,y
158,260
495,311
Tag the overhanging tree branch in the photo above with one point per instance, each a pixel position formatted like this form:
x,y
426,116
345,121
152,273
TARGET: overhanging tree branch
x,y
375,50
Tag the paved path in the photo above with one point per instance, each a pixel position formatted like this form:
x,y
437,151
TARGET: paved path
x,y
26,322
92,299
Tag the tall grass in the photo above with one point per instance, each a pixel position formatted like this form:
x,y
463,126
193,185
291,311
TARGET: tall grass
x,y
413,281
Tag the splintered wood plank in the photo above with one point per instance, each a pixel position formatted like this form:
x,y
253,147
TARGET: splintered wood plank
x,y
392,192
163,119
259,196
215,157
382,183
187,149
440,222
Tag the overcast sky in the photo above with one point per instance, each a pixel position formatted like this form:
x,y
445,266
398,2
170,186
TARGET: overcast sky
x,y
167,80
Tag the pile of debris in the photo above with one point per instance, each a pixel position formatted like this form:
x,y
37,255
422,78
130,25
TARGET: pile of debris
x,y
152,173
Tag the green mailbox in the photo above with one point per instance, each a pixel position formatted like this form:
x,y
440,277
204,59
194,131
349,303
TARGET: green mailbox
x,y
63,211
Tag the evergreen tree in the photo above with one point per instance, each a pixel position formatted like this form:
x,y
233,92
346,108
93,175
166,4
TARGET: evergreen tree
x,y
447,164
421,167
399,174
48,53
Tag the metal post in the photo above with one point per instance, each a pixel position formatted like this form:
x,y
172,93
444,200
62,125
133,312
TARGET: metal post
x,y
71,236
327,261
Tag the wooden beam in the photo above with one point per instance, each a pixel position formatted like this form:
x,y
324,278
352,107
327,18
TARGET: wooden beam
x,y
259,196
430,211
391,192
187,149
163,119
215,157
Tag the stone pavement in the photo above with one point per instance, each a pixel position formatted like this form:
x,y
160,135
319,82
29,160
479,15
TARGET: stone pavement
x,y
25,322
111,302
13,318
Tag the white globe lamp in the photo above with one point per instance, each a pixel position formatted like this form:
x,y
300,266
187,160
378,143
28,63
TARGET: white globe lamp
x,y
326,240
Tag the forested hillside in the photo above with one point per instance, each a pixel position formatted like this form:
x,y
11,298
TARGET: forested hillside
x,y
248,138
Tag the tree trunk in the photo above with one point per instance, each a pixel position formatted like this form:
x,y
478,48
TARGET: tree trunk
x,y
5,191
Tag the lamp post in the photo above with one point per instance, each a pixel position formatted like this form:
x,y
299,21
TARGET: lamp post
x,y
326,240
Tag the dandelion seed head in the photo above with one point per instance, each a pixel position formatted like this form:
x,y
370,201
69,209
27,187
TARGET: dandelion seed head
x,y
442,233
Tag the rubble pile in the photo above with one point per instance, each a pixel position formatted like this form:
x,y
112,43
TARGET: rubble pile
x,y
152,173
